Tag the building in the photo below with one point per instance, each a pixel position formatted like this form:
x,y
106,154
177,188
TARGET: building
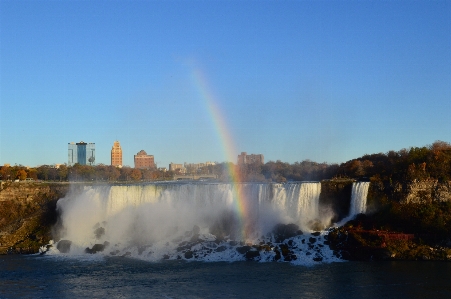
x,y
82,153
144,161
197,167
177,167
116,154
244,159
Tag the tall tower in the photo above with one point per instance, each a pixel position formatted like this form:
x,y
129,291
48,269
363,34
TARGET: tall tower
x,y
82,153
116,154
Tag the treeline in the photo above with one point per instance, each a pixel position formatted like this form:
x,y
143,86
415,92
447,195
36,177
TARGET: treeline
x,y
415,163
99,172
406,165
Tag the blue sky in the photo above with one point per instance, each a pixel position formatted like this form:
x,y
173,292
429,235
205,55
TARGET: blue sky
x,y
321,80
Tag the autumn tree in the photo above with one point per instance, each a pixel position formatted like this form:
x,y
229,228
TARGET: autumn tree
x,y
21,174
136,174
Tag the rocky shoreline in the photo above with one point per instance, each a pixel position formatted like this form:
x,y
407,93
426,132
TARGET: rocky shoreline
x,y
356,244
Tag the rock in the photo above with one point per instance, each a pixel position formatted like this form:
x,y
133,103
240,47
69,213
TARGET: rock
x,y
64,246
243,249
252,255
96,248
99,232
277,256
284,249
221,249
312,240
318,259
282,232
189,254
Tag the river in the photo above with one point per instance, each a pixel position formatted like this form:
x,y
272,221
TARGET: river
x,y
97,276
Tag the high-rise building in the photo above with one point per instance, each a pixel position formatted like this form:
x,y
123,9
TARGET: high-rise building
x,y
82,153
116,154
244,158
143,160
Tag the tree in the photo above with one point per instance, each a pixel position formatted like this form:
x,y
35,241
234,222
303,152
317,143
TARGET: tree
x,y
62,172
21,174
125,173
136,174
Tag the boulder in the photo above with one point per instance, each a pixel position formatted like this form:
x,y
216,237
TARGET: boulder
x,y
96,248
243,249
282,232
64,246
252,255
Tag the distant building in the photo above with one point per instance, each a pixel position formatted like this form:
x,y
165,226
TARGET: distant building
x,y
82,153
116,154
197,167
244,159
144,161
177,167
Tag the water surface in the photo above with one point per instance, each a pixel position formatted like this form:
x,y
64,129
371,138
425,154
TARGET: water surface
x,y
105,277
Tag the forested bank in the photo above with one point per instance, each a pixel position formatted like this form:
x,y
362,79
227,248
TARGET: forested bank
x,y
431,162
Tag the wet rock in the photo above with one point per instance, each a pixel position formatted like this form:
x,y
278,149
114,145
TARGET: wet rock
x,y
114,252
99,232
189,254
64,246
252,255
165,257
265,247
316,234
221,249
284,249
318,259
282,232
277,256
233,243
290,257
97,248
312,240
243,249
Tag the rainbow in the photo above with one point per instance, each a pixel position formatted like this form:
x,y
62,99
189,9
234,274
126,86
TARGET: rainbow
x,y
229,149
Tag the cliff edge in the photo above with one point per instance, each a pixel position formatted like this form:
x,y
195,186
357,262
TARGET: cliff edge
x,y
27,213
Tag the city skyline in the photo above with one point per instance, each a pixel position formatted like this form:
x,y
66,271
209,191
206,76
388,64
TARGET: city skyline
x,y
327,81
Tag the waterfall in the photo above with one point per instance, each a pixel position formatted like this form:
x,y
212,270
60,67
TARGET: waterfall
x,y
162,219
358,198
164,206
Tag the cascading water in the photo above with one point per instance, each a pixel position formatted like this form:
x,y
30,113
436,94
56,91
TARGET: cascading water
x,y
358,198
203,221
